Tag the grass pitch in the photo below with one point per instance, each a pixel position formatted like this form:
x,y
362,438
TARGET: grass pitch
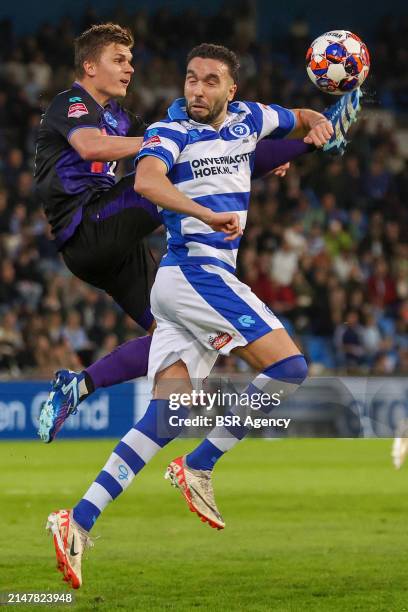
x,y
311,525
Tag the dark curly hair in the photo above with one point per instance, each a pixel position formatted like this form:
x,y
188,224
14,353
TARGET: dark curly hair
x,y
217,52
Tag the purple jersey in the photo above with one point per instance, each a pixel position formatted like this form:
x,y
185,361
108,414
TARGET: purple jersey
x,y
64,181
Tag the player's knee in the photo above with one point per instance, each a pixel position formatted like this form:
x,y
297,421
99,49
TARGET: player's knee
x,y
285,375
298,368
292,369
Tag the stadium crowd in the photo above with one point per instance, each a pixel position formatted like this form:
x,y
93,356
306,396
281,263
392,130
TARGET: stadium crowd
x,y
326,248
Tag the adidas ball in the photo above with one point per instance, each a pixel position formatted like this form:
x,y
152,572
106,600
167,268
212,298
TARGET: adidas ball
x,y
337,62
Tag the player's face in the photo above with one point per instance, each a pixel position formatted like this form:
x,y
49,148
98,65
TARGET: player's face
x,y
208,89
112,72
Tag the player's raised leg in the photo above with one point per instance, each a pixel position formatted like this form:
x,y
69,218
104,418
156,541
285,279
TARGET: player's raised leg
x,y
287,369
69,389
208,299
342,115
106,253
194,485
71,527
130,455
282,369
271,154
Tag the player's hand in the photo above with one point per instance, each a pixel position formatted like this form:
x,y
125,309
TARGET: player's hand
x,y
281,170
320,133
226,222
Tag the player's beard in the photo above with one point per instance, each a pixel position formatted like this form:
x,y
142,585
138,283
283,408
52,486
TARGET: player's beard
x,y
212,114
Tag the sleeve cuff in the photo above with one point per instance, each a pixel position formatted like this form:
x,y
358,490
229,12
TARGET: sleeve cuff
x,y
80,127
152,154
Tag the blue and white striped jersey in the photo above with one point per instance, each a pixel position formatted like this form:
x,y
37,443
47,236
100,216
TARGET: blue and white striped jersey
x,y
212,168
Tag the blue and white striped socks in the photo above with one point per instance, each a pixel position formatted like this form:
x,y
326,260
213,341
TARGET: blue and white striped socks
x,y
283,377
132,453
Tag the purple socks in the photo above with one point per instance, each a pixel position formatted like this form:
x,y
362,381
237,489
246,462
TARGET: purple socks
x,y
126,362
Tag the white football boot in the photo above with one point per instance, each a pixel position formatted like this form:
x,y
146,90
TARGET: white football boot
x,y
70,541
196,488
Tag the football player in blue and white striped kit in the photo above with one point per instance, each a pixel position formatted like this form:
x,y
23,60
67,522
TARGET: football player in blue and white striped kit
x,y
198,161
200,158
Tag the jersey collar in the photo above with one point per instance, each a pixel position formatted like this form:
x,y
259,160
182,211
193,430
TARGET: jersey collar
x,y
177,111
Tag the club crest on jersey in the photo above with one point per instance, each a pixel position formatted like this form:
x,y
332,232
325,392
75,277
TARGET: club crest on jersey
x,y
268,310
77,110
153,141
217,342
239,130
110,119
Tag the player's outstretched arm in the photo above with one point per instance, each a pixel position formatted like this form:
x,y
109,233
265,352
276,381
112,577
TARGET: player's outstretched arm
x,y
93,145
314,127
151,182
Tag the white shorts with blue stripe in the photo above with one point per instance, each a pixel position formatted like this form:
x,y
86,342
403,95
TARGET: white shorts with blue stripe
x,y
201,311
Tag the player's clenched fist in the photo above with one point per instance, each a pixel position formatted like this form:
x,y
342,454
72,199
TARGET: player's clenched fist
x,y
320,132
226,222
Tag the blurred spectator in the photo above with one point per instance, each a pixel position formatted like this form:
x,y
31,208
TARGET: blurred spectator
x,y
4,213
14,69
9,296
284,264
55,326
381,286
377,181
349,339
13,166
11,343
337,240
39,72
371,338
320,310
295,238
74,332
